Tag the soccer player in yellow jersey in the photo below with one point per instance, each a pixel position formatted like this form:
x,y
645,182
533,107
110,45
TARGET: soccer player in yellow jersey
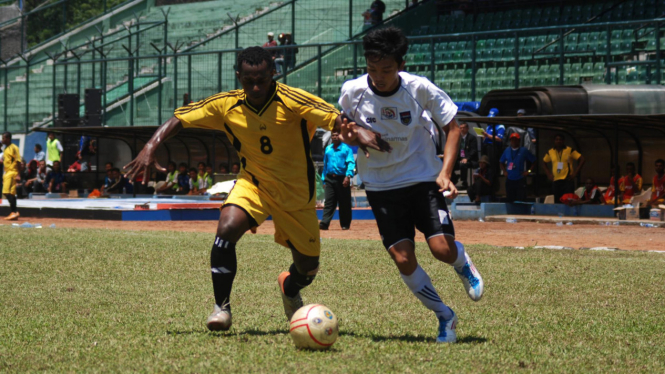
x,y
12,159
271,126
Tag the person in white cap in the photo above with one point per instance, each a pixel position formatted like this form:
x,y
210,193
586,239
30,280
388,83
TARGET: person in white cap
x,y
271,43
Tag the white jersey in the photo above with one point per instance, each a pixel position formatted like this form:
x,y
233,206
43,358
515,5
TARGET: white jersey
x,y
405,119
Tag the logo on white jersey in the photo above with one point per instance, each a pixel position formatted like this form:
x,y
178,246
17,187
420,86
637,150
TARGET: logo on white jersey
x,y
388,113
405,117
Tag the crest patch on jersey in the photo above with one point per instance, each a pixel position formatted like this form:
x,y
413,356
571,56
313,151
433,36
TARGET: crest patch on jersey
x,y
388,113
405,117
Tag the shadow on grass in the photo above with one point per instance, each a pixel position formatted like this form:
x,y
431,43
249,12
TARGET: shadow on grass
x,y
227,333
413,338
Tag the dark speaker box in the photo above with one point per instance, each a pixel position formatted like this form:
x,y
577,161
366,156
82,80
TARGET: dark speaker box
x,y
68,107
91,120
93,101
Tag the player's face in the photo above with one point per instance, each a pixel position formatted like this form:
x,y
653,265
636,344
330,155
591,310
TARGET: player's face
x,y
384,73
6,140
660,168
630,169
256,81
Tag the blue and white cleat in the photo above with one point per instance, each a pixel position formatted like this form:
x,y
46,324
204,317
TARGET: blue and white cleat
x,y
447,327
473,282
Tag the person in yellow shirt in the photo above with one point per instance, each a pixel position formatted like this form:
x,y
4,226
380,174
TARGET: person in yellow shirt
x,y
271,126
561,170
12,160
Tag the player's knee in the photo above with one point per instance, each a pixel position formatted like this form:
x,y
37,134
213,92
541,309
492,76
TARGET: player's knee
x,y
228,229
303,277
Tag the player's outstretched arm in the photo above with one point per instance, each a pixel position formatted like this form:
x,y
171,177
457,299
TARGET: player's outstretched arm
x,y
146,158
352,134
449,157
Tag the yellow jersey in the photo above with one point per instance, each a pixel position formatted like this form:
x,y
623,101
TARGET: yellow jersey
x,y
561,161
273,142
12,158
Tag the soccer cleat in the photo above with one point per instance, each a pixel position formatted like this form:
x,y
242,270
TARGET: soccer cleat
x,y
323,226
447,330
473,282
12,216
291,304
219,320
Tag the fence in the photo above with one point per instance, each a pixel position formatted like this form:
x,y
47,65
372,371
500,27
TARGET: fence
x,y
144,89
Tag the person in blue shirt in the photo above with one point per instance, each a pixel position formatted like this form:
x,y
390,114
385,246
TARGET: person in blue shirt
x,y
183,180
512,164
493,138
338,166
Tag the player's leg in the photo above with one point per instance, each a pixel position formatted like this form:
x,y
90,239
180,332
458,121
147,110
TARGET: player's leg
x,y
9,191
330,204
241,212
345,212
394,216
298,231
434,221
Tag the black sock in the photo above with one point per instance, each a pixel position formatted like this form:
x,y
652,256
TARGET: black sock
x,y
12,202
296,281
223,265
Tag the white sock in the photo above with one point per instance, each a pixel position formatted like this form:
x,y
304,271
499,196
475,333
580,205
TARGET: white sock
x,y
461,258
421,285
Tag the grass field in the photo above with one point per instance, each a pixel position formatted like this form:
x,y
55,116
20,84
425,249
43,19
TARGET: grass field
x,y
110,301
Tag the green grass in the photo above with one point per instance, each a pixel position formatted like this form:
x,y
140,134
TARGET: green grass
x,y
114,301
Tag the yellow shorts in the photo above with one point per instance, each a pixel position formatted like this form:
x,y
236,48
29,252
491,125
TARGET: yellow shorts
x,y
297,229
9,183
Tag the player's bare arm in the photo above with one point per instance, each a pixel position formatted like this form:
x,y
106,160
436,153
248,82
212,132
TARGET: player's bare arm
x,y
355,135
146,158
449,157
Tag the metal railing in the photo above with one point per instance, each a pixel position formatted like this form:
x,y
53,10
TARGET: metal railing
x,y
147,87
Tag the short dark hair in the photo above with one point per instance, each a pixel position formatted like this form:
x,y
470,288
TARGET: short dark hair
x,y
193,170
660,160
560,135
202,163
235,163
116,169
384,42
183,165
7,134
109,163
254,56
172,163
38,146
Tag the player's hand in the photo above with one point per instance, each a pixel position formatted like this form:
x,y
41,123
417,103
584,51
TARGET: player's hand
x,y
446,185
142,163
370,139
346,182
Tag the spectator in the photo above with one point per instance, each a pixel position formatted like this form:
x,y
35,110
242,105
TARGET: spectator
x,y
108,166
608,195
482,181
378,7
287,59
235,168
591,194
209,172
338,167
170,184
468,155
631,184
223,169
30,176
53,150
193,182
121,185
271,43
559,172
512,164
204,180
530,140
78,165
109,181
39,184
492,142
367,19
55,179
183,180
658,187
20,181
39,154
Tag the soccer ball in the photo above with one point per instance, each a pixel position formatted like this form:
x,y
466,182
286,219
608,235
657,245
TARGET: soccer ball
x,y
314,326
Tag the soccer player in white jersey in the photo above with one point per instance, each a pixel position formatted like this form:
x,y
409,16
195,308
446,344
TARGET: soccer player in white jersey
x,y
405,187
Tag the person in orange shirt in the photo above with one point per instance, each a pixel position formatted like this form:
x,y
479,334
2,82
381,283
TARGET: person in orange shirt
x,y
608,195
631,184
658,188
